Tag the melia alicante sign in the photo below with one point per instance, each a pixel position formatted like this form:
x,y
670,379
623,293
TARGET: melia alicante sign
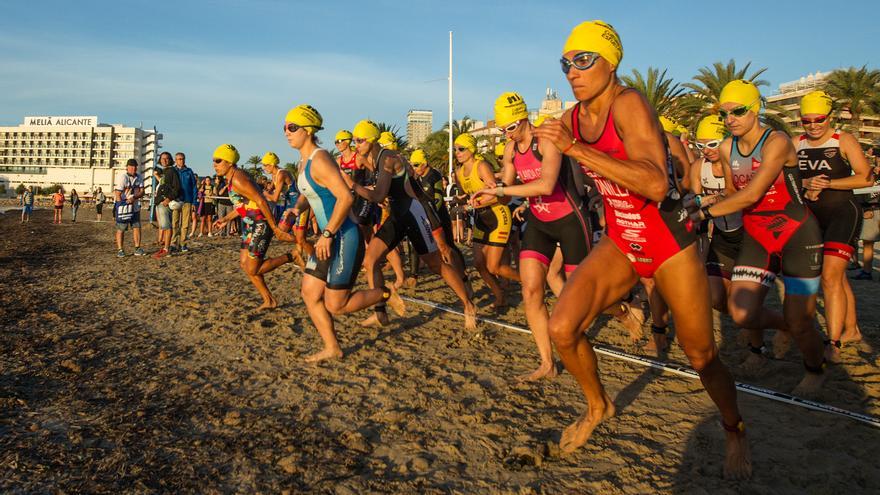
x,y
62,121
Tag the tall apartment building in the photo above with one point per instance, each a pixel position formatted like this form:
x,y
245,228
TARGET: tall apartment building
x,y
789,98
418,125
75,152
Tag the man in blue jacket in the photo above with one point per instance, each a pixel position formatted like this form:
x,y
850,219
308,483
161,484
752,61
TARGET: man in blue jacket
x,y
180,217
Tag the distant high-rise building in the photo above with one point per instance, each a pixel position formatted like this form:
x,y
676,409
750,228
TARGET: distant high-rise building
x,y
418,125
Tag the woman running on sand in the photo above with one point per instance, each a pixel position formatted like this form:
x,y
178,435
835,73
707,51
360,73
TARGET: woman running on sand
x,y
257,222
332,271
407,217
614,134
556,216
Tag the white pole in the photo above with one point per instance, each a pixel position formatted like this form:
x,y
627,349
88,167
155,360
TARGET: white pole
x,y
450,108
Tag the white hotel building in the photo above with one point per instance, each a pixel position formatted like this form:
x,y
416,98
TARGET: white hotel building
x,y
75,152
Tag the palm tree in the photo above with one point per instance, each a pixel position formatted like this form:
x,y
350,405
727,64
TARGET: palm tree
x,y
661,92
292,168
402,143
466,124
254,160
855,90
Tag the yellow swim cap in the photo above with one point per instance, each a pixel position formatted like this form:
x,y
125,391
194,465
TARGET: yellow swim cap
x,y
540,120
227,152
270,159
509,108
598,37
366,129
499,149
467,141
680,130
743,92
305,116
343,135
667,123
387,140
418,158
816,102
711,127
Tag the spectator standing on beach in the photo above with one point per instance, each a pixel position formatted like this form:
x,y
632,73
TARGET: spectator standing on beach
x,y
26,200
58,202
224,205
75,203
206,207
196,210
169,186
181,218
127,192
870,225
100,198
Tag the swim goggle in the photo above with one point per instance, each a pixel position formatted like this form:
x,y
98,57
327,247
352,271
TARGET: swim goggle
x,y
738,111
581,61
710,145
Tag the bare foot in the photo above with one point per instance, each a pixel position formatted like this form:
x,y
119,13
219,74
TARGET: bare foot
x,y
657,344
738,457
578,433
633,320
832,353
410,282
396,303
375,320
270,304
324,355
754,363
781,344
470,316
546,370
854,335
810,385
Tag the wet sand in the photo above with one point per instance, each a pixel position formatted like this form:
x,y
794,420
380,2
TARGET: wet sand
x,y
138,375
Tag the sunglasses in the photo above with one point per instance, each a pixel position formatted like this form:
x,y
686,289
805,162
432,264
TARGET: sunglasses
x,y
459,149
340,141
818,120
738,111
359,140
291,127
510,127
710,145
581,61
218,160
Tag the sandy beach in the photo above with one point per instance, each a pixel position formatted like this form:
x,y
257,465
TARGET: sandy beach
x,y
143,375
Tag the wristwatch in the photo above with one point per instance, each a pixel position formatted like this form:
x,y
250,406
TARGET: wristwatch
x,y
326,233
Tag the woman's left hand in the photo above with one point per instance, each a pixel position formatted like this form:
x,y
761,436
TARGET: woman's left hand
x,y
322,247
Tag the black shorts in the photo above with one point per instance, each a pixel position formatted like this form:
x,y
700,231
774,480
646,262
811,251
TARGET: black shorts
x,y
841,223
492,225
723,251
410,221
799,260
572,233
98,208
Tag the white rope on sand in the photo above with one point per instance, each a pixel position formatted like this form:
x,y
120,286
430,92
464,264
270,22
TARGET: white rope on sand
x,y
684,371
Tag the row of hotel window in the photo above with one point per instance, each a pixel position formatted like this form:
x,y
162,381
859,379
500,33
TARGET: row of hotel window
x,y
65,135
73,154
61,144
19,169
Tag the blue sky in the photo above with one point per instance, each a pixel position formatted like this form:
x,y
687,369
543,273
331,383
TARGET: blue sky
x,y
206,73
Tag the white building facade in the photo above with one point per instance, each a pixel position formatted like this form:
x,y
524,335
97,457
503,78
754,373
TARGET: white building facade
x,y
76,152
418,126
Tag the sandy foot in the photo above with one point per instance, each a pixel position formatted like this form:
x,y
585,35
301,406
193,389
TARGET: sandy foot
x,y
781,344
546,370
270,304
633,321
657,344
375,320
470,316
324,355
738,457
810,385
851,336
396,303
578,433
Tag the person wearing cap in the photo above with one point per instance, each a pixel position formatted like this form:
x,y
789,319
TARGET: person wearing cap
x,y
613,133
257,223
282,196
127,192
347,158
832,164
182,217
170,186
407,218
780,233
332,271
492,219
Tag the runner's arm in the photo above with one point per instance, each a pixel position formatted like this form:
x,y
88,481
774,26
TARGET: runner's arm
x,y
326,173
378,193
852,153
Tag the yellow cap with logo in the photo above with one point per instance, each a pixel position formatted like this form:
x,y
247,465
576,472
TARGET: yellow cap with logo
x,y
418,158
366,129
467,141
499,149
816,102
387,140
227,152
710,127
270,159
305,116
743,92
509,108
598,37
343,135
667,123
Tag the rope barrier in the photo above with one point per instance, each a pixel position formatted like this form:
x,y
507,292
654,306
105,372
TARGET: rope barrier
x,y
683,371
